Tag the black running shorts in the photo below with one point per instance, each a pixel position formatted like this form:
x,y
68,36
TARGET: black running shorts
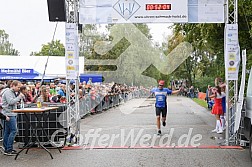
x,y
162,110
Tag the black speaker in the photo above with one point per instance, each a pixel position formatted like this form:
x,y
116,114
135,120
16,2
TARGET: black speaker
x,y
56,10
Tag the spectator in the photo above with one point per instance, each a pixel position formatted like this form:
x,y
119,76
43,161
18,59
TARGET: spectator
x,y
223,100
217,108
27,97
53,91
44,94
29,94
1,88
2,116
191,92
89,81
35,91
62,91
84,84
10,101
208,94
196,92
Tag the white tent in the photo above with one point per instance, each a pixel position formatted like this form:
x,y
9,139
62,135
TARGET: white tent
x,y
55,67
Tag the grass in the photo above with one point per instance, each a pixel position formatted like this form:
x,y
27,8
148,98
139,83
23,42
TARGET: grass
x,y
200,102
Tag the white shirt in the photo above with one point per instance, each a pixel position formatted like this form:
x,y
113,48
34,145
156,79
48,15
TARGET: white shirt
x,y
219,96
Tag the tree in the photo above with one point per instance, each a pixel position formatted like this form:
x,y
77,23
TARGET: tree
x,y
6,48
54,48
125,48
207,60
88,38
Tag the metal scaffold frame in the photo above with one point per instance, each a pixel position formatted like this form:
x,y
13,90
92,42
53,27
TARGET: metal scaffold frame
x,y
231,85
72,95
73,114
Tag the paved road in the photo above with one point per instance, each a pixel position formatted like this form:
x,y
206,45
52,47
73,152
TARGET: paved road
x,y
121,139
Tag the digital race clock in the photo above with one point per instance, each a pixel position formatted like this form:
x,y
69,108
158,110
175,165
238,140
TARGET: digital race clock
x,y
158,6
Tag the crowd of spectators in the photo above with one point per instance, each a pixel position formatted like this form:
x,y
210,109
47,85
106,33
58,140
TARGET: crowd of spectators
x,y
93,97
185,89
55,92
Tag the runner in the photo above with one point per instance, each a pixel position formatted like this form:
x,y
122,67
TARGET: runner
x,y
161,94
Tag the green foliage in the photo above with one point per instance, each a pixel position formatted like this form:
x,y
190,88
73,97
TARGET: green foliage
x,y
54,48
203,82
127,53
207,60
6,48
153,72
203,65
88,38
144,29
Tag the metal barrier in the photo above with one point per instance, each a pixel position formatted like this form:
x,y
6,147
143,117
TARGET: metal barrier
x,y
97,103
88,104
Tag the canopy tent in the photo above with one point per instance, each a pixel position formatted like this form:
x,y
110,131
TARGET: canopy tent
x,y
45,77
94,77
17,77
56,66
22,74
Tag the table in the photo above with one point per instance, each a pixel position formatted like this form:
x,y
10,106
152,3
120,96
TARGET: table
x,y
44,111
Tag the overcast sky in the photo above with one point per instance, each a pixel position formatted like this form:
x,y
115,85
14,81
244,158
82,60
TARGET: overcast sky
x,y
28,26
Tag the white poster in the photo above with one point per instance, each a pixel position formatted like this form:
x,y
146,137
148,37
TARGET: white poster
x,y
206,11
239,103
210,1
71,52
133,11
232,52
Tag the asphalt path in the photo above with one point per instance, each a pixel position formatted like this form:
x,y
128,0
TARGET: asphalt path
x,y
126,136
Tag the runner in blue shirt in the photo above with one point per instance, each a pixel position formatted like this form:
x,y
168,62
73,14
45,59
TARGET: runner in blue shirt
x,y
161,94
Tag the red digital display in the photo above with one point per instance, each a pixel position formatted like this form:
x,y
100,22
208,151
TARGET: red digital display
x,y
158,6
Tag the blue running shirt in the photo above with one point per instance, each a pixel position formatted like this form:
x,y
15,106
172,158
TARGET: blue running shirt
x,y
161,95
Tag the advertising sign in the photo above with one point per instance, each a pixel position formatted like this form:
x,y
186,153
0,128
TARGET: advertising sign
x,y
232,52
71,53
206,11
133,11
16,71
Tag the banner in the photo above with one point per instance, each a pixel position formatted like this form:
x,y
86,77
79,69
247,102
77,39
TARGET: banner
x,y
133,11
151,11
206,11
16,71
232,52
240,100
71,52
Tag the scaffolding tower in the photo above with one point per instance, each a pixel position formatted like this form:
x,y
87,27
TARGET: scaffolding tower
x,y
72,85
231,17
231,85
